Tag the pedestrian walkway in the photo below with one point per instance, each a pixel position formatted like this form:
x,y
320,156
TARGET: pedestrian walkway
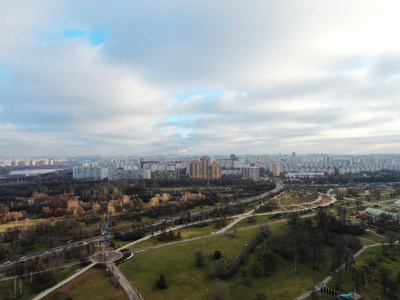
x,y
329,278
130,292
60,284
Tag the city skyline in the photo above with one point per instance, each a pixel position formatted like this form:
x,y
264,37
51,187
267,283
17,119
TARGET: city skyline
x,y
192,78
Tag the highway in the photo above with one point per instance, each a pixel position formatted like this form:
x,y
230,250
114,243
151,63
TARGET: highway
x,y
54,251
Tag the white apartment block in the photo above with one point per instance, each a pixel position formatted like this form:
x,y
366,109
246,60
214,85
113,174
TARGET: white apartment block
x,y
87,172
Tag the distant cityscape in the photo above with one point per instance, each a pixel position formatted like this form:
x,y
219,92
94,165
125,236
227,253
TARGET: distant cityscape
x,y
249,166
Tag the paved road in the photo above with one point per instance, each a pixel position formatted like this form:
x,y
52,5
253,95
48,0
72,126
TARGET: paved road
x,y
55,250
129,291
29,274
239,218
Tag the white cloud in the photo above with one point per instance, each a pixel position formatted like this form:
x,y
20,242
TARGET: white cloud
x,y
308,76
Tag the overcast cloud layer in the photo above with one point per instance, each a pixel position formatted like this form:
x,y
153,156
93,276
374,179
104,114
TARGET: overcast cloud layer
x,y
199,77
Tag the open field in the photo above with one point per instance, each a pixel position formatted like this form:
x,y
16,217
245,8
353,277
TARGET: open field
x,y
186,233
93,284
284,283
186,281
260,220
3,227
373,237
289,198
124,225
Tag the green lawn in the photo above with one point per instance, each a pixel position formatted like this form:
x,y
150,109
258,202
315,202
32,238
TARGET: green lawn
x,y
186,233
93,284
3,227
259,220
284,283
371,236
186,281
124,225
289,198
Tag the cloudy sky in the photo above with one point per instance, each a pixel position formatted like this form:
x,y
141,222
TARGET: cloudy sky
x,y
199,77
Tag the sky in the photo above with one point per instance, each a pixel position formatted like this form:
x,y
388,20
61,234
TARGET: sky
x,y
199,77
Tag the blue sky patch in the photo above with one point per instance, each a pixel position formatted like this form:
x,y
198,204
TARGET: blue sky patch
x,y
180,119
74,33
211,95
97,36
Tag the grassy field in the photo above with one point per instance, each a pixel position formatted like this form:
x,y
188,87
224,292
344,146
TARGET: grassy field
x,y
284,283
192,232
3,227
186,281
124,225
186,233
93,284
371,236
289,198
29,291
259,220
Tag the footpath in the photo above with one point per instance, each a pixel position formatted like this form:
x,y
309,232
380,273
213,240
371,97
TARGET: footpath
x,y
329,278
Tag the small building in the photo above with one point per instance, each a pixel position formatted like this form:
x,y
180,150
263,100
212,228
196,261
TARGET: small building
x,y
397,203
350,296
379,213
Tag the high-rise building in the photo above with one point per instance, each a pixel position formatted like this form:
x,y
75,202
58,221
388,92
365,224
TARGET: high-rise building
x,y
166,175
251,173
205,163
276,169
226,163
215,171
194,170
203,169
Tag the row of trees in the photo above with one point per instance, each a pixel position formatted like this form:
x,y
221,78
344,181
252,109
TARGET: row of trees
x,y
226,268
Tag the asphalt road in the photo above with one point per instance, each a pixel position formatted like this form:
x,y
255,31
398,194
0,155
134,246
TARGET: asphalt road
x,y
54,251
129,291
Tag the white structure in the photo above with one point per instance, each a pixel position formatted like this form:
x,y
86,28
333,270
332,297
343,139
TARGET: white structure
x,y
303,175
89,172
